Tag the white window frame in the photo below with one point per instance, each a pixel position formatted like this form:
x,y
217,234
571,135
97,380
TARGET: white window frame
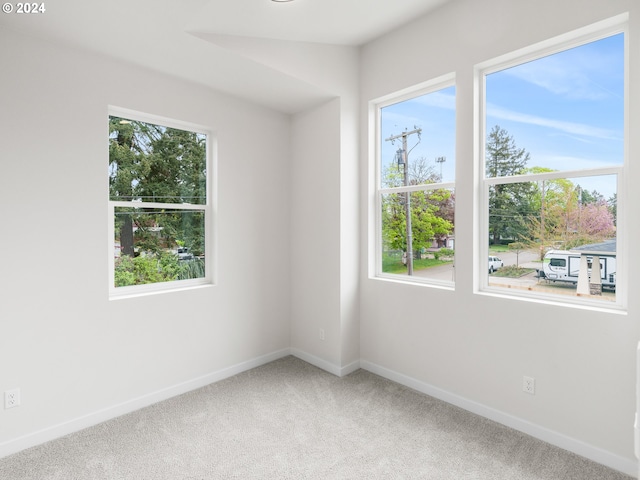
x,y
375,180
592,33
208,208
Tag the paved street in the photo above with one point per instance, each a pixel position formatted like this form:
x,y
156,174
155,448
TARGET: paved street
x,y
527,259
524,259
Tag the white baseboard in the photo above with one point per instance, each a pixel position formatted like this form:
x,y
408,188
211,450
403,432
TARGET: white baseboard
x,y
578,447
80,423
324,365
611,460
352,367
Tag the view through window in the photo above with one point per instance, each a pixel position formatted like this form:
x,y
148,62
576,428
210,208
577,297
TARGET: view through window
x,y
416,195
158,203
554,154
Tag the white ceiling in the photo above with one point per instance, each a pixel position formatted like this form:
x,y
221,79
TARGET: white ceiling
x,y
178,37
341,22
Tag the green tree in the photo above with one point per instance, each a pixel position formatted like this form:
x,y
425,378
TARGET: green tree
x,y
152,163
565,214
509,204
431,211
124,164
586,197
550,203
612,204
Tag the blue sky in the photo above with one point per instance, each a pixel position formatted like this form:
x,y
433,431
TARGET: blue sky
x,y
566,110
435,114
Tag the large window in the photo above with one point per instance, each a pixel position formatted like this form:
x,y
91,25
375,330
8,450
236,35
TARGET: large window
x,y
159,204
415,186
554,151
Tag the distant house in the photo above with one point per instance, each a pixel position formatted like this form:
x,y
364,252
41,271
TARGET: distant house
x,y
607,247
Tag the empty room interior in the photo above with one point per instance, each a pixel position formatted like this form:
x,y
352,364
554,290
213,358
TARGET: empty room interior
x,y
310,226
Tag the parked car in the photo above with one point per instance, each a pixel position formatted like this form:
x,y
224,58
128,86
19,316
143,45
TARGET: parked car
x,y
184,254
494,264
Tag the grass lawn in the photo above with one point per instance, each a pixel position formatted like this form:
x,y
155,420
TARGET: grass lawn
x,y
392,264
512,271
498,249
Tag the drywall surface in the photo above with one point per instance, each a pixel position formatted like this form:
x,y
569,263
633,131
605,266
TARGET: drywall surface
x,y
349,234
477,348
324,236
324,203
315,233
70,349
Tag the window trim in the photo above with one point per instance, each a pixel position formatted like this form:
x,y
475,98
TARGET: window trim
x,y
592,33
375,180
209,209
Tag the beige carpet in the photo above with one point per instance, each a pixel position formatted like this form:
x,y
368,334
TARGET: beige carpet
x,y
290,420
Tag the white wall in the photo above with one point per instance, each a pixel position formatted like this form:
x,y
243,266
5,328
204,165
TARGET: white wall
x,y
349,235
324,237
315,234
70,350
472,349
325,207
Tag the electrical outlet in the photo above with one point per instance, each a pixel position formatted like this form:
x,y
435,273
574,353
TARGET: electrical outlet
x,y
529,385
321,333
12,398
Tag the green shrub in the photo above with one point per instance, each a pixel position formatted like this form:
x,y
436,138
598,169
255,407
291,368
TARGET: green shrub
x,y
161,267
191,269
446,252
124,271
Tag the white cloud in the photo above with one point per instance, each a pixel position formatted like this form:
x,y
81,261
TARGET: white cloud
x,y
565,162
571,128
439,100
573,78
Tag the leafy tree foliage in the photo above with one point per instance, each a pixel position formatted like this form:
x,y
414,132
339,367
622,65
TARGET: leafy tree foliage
x,y
508,203
565,214
162,267
612,204
431,211
592,223
543,213
153,163
504,158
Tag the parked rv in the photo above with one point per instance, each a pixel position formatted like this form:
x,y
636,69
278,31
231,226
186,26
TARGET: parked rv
x,y
564,266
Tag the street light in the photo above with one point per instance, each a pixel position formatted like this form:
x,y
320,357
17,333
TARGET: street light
x,y
441,160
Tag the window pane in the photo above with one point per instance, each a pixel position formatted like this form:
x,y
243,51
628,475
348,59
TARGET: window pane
x,y
537,229
432,238
158,245
153,163
417,144
561,112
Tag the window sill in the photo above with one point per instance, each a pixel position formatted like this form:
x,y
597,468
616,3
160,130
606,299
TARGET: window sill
x,y
136,292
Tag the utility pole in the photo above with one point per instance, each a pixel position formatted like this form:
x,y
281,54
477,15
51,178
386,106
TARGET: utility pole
x,y
402,156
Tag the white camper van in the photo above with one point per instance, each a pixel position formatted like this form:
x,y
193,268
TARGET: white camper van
x,y
564,266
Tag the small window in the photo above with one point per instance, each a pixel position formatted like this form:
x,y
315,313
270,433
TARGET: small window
x,y
553,159
415,238
159,204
